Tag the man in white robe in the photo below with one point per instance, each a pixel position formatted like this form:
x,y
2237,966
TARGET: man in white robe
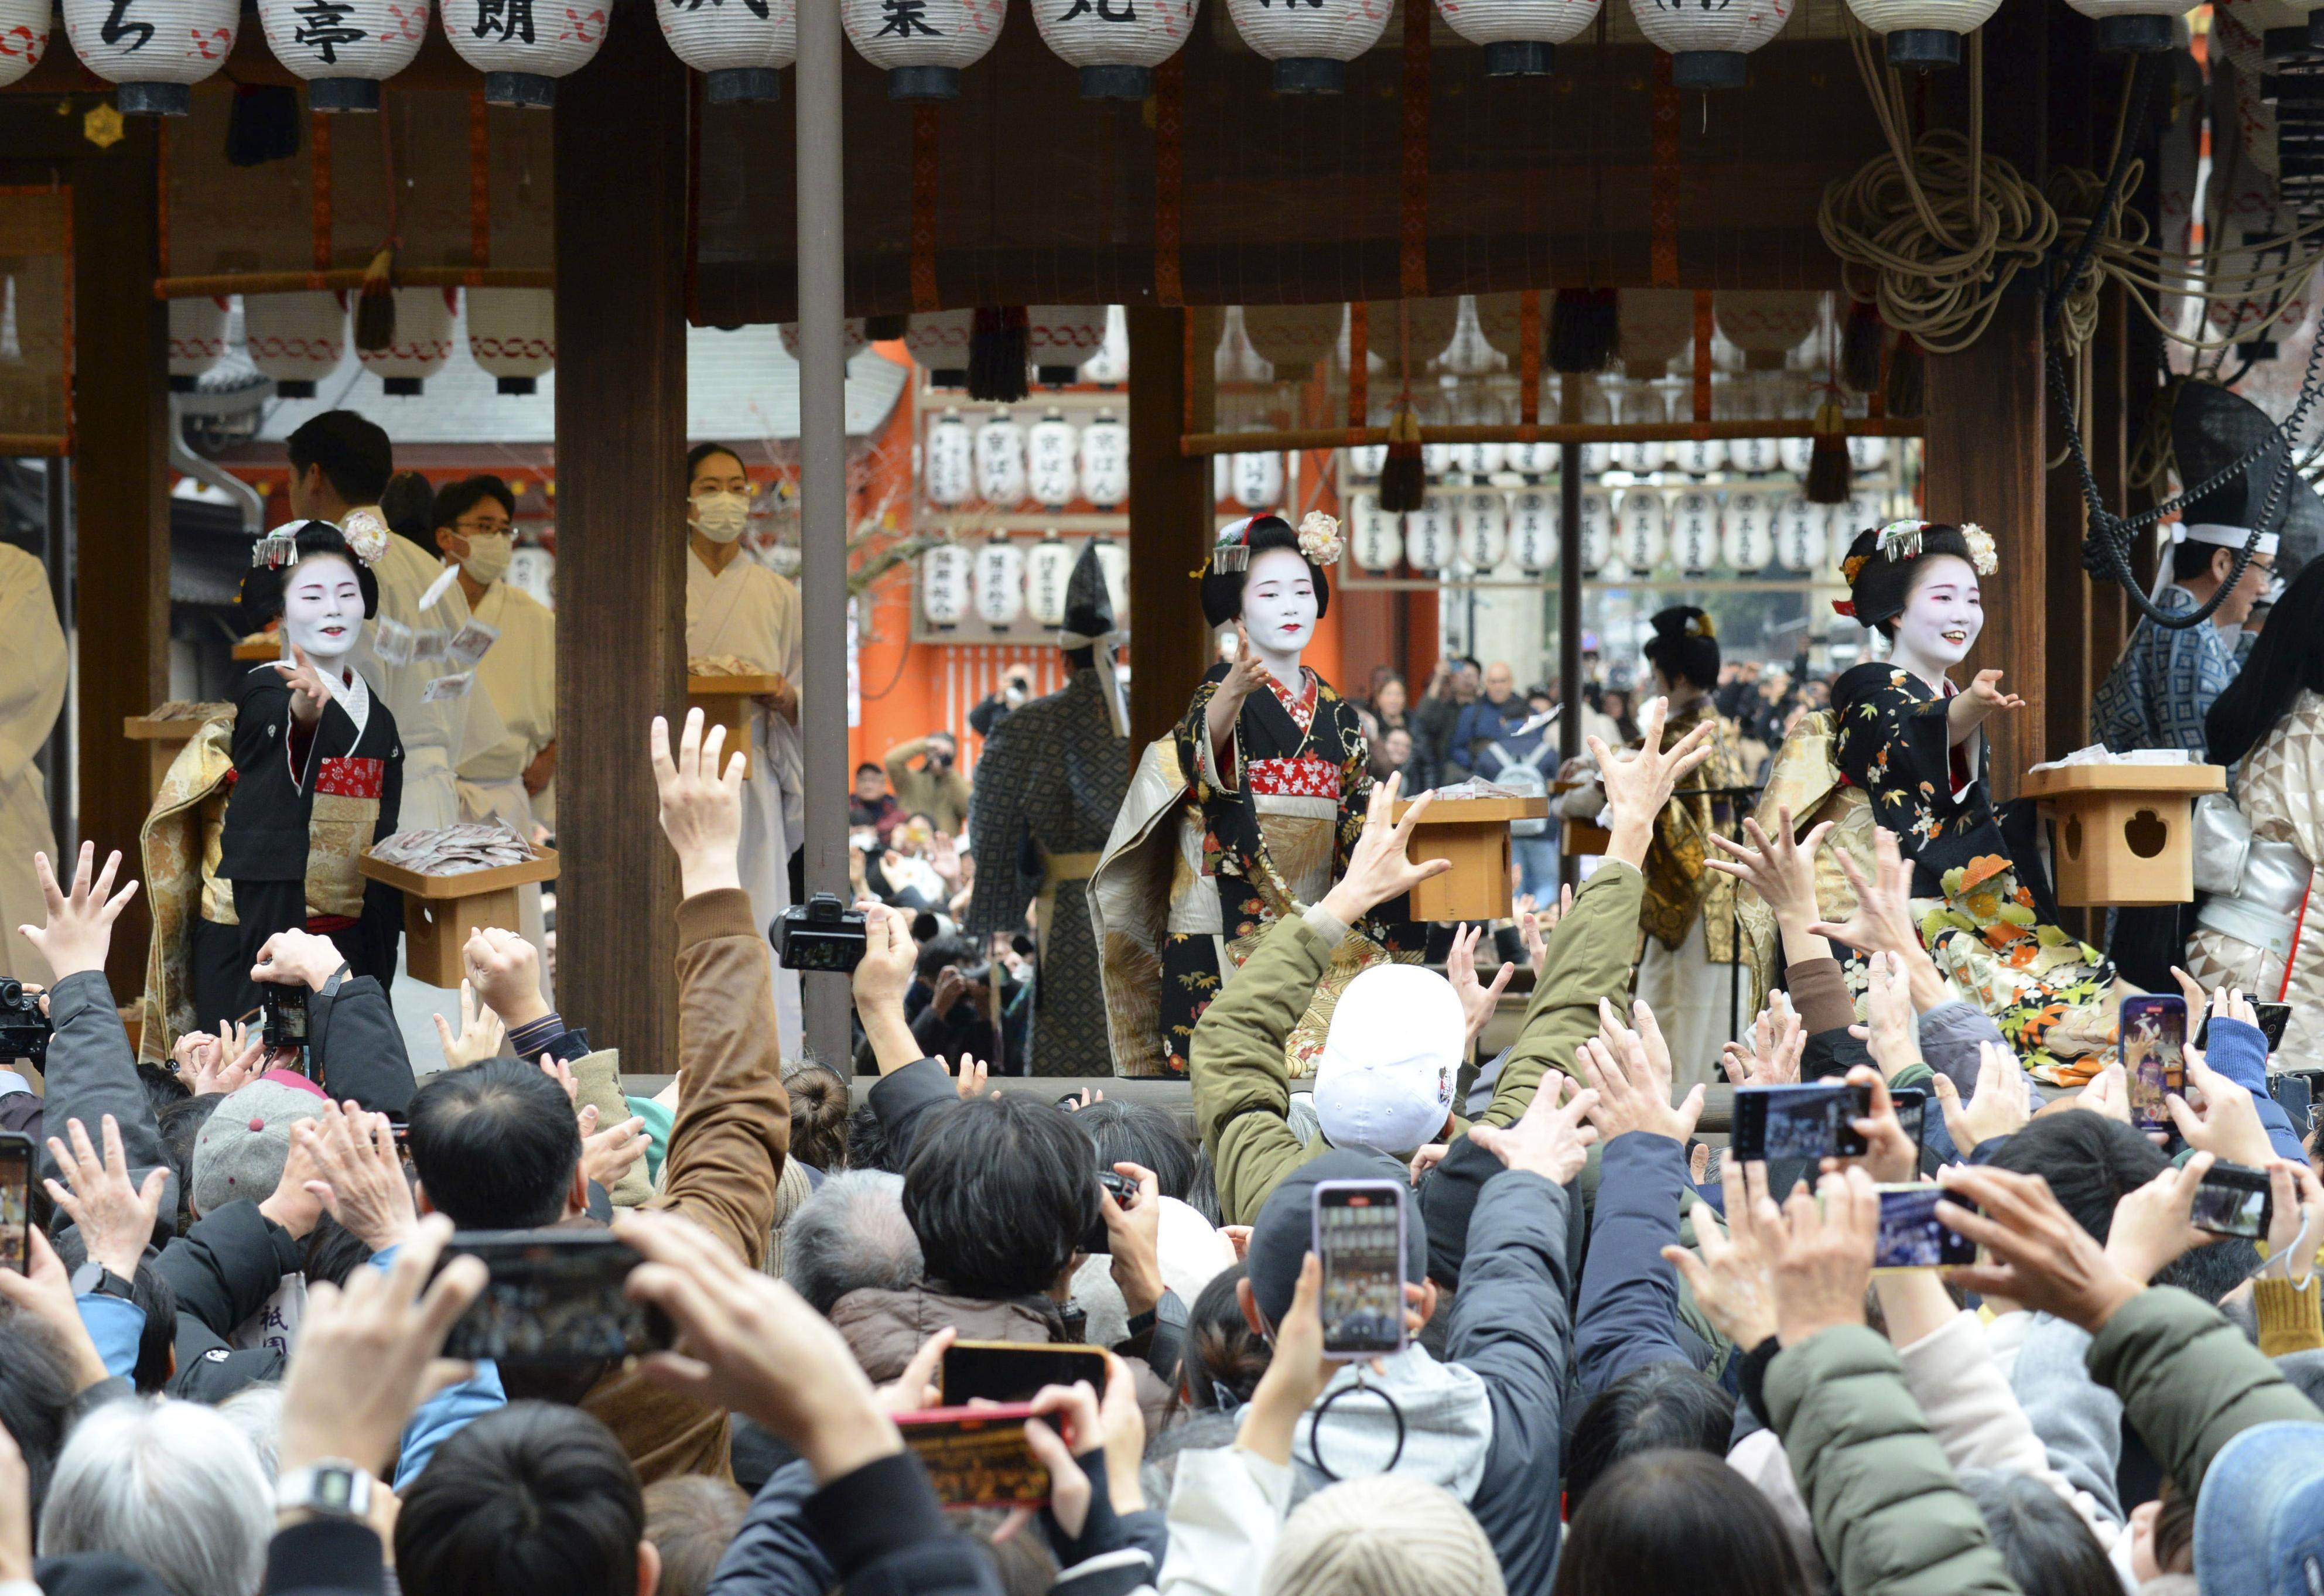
x,y
737,607
31,692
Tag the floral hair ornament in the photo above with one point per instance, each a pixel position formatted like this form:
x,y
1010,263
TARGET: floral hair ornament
x,y
1853,566
366,535
1984,559
1232,550
1901,540
365,532
1319,539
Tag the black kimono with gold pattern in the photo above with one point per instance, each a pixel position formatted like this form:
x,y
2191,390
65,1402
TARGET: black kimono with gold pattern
x,y
1678,886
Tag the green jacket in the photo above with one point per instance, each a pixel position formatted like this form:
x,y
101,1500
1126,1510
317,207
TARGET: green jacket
x,y
1890,1517
2187,1379
1242,1090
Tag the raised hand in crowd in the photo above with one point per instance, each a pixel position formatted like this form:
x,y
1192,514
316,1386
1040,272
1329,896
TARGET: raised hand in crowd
x,y
1889,1155
115,1216
561,1072
227,1062
1733,1279
358,1175
294,1204
1775,1048
1295,1376
1551,1140
1820,1255
2153,1224
44,1292
1630,1072
1380,868
505,971
2296,1220
482,1030
1883,921
1427,1159
1135,1233
2228,1123
1782,870
701,804
607,1155
1084,1449
883,976
1893,1036
79,930
2033,1253
2107,1093
298,958
1639,782
2000,1106
1535,924
969,1079
1476,998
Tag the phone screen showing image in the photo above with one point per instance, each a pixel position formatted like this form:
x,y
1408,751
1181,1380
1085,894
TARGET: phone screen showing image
x,y
2232,1201
1911,1236
1911,1107
16,1201
1359,1241
1805,1121
2154,1054
555,1296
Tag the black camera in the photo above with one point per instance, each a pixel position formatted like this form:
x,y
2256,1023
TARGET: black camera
x,y
820,933
1125,1192
284,1009
23,1028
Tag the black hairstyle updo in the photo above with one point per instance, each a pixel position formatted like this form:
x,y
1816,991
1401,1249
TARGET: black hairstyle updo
x,y
262,585
1684,647
1222,590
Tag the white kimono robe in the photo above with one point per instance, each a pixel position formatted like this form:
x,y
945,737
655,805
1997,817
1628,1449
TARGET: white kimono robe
x,y
748,611
32,670
519,675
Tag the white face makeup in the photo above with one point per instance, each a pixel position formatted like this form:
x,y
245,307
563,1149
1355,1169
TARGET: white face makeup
x,y
1279,604
1942,615
322,606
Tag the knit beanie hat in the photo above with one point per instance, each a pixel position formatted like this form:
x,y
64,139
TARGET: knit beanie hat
x,y
1385,1535
1386,1077
241,1149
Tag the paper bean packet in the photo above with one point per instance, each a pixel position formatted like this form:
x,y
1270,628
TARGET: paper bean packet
x,y
470,643
391,640
453,685
428,643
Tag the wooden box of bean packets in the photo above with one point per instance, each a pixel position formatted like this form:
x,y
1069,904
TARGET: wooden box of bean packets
x,y
1473,833
442,912
2122,834
725,701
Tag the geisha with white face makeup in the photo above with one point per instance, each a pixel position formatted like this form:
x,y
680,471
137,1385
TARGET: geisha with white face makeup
x,y
322,606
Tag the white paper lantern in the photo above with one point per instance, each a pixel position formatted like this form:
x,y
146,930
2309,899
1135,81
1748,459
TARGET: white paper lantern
x,y
948,461
851,339
1639,459
939,342
1795,454
1052,446
1221,479
1105,461
1518,35
512,334
522,52
1428,535
1866,453
1747,538
343,49
1597,533
2139,25
1116,44
1311,43
1059,337
1113,559
1377,542
198,329
1001,461
1109,366
1256,481
1478,461
1535,460
423,341
923,44
1435,459
1699,456
1803,534
739,46
1866,508
297,339
1753,456
1767,324
1000,581
1365,460
1596,458
155,52
1048,572
1708,38
943,584
1292,338
23,37
1923,33
1640,528
1482,531
1657,327
1694,532
1533,530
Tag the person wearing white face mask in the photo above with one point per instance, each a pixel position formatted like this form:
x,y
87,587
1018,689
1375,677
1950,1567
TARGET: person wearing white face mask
x,y
739,608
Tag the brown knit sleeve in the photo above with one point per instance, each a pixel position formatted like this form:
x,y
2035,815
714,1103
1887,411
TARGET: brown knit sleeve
x,y
1820,993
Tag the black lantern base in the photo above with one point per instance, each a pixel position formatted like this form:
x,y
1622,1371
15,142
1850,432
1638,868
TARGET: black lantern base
x,y
741,86
343,93
154,99
1307,74
529,90
293,388
401,387
1520,58
1709,68
1056,376
924,83
2137,34
519,385
948,376
1115,82
1921,50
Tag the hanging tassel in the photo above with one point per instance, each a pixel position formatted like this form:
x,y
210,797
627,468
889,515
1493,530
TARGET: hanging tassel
x,y
1585,327
1828,470
1907,370
997,356
1859,350
1404,477
375,305
883,329
263,124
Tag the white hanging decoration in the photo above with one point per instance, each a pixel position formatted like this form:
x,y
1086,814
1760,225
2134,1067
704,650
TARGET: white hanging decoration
x,y
1311,43
1109,366
1747,538
1640,460
1256,481
948,461
1753,456
943,584
1867,508
423,341
23,37
1477,461
1481,529
1113,559
1637,401
1428,535
2136,26
1000,462
1000,581
1105,460
851,339
1058,338
1116,44
1803,534
1435,459
1365,460
1640,528
740,49
297,339
1533,530
1378,544
197,331
1052,449
1866,453
1048,572
1708,42
1597,533
343,49
1222,476
1768,324
1292,339
1694,532
512,334
154,53
1923,33
923,44
1520,36
523,51
1699,456
1795,454
1534,460
939,342
1596,458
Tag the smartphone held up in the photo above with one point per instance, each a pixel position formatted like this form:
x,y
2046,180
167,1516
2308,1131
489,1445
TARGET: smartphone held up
x,y
16,1201
1359,1241
554,1297
2153,1055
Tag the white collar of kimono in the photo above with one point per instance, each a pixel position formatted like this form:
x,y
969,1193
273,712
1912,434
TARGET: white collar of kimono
x,y
2226,537
350,692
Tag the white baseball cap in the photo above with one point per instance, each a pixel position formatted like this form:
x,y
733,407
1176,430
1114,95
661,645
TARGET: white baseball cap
x,y
1386,1077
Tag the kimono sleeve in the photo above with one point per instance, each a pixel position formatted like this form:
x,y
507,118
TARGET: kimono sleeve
x,y
1893,742
1193,737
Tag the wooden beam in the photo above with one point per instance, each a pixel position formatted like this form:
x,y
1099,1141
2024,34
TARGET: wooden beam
x,y
620,568
1170,516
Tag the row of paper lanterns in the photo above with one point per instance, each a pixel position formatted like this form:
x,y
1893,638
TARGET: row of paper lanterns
x,y
298,339
1052,463
1694,532
1693,457
1002,580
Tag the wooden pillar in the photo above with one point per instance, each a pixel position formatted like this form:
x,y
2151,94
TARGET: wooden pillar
x,y
2113,405
621,569
121,488
1170,516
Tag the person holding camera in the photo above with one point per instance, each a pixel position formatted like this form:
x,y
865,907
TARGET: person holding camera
x,y
935,788
1015,690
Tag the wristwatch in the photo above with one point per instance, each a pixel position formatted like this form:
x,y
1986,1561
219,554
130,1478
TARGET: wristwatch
x,y
332,1489
94,1278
